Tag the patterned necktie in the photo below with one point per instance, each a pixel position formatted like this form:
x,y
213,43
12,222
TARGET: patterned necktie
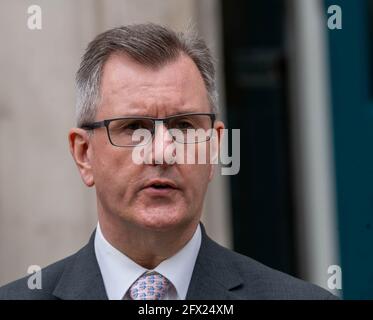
x,y
150,286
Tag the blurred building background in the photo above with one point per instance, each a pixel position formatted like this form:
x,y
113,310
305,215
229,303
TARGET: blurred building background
x,y
300,93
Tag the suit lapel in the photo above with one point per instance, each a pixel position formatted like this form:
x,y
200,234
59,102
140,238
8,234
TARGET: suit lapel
x,y
214,277
81,278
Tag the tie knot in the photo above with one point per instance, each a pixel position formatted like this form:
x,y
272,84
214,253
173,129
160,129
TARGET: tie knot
x,y
150,286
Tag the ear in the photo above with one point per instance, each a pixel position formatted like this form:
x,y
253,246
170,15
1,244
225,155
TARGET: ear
x,y
216,141
80,149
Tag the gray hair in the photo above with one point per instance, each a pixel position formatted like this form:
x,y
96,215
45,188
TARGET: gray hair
x,y
148,44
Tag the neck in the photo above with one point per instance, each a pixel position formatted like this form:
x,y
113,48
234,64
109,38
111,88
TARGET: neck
x,y
148,248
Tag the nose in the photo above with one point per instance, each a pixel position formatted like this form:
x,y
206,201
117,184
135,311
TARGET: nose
x,y
162,140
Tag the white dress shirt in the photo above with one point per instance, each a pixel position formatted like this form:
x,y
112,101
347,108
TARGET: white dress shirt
x,y
119,271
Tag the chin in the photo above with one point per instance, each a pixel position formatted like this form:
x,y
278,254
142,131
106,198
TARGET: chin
x,y
161,221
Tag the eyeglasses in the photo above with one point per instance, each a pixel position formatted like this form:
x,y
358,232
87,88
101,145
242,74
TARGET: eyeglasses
x,y
184,128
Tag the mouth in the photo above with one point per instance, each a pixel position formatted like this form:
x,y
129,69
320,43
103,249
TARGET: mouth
x,y
160,187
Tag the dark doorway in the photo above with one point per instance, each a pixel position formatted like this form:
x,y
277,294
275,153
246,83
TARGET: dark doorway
x,y
256,101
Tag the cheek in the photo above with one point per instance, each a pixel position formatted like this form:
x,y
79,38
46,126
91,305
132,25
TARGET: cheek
x,y
200,153
196,179
114,171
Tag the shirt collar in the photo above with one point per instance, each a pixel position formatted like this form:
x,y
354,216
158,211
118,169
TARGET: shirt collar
x,y
119,271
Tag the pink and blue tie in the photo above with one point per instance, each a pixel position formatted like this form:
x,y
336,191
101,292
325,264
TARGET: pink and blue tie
x,y
150,286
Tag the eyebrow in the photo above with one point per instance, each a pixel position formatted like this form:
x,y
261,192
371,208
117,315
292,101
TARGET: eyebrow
x,y
188,111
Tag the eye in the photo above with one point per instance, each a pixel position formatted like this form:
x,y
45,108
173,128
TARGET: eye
x,y
183,124
133,126
128,126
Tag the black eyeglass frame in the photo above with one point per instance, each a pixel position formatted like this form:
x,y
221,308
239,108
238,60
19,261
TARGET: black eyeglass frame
x,y
106,123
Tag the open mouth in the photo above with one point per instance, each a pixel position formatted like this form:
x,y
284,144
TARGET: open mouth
x,y
159,185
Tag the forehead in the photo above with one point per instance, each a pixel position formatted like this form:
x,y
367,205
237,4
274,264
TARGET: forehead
x,y
129,88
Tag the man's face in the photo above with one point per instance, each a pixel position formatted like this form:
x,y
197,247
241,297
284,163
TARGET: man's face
x,y
130,89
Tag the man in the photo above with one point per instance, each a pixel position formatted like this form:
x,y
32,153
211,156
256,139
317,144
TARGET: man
x,y
149,243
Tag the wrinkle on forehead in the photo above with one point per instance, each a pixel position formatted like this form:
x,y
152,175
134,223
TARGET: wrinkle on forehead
x,y
130,88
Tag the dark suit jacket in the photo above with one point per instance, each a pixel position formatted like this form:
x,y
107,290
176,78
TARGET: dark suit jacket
x,y
219,274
